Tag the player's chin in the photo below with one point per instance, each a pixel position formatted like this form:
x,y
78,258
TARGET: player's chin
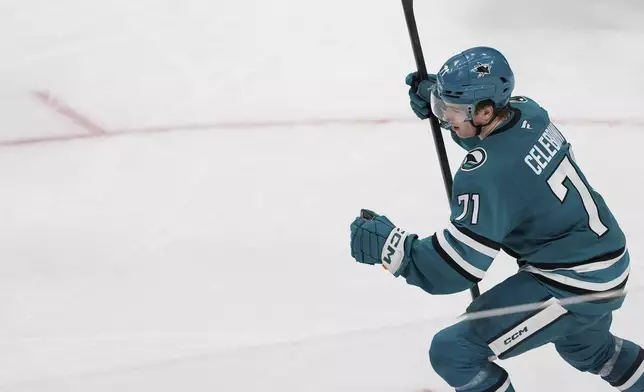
x,y
458,130
462,132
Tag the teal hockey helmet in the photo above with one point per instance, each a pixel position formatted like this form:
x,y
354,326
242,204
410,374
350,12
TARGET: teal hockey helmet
x,y
475,75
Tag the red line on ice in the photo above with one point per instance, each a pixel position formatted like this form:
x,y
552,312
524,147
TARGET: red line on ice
x,y
95,131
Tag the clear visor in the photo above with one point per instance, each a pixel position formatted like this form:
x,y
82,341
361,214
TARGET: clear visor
x,y
453,113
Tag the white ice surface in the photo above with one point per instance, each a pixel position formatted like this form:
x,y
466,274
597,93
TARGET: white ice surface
x,y
217,260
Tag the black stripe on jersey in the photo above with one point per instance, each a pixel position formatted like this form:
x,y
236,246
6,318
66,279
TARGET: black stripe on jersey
x,y
629,373
498,384
553,266
441,252
510,252
478,238
578,290
516,324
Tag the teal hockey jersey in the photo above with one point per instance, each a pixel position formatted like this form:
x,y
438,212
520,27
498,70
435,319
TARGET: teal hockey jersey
x,y
520,190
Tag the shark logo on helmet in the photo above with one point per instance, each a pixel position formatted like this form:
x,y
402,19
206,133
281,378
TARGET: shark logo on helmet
x,y
482,69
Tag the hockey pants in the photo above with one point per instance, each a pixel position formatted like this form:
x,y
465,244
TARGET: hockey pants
x,y
461,353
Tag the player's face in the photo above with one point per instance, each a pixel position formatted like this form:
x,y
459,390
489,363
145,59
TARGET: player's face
x,y
462,118
463,130
458,116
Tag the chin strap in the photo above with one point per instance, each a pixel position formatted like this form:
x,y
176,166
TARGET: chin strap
x,y
479,128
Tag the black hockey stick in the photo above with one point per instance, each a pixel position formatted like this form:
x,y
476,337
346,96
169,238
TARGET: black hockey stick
x,y
408,8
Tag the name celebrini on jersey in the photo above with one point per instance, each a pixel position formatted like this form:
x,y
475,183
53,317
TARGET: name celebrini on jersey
x,y
548,145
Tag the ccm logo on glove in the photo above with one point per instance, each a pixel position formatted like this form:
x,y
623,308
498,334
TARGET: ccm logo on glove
x,y
393,252
375,240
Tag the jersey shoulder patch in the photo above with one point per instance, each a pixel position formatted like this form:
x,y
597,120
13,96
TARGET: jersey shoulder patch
x,y
474,159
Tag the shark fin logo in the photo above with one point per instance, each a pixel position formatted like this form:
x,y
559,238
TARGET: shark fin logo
x,y
482,69
474,159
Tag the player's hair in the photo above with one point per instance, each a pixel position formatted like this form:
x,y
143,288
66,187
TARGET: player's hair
x,y
503,111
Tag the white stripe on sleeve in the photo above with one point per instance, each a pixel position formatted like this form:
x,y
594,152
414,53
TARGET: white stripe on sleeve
x,y
477,246
472,270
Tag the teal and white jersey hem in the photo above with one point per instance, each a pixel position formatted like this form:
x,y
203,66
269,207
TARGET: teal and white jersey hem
x,y
605,273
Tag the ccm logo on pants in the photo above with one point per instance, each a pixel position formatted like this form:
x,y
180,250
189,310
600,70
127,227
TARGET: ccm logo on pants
x,y
516,335
526,328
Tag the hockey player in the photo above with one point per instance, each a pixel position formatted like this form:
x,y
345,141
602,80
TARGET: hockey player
x,y
519,190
